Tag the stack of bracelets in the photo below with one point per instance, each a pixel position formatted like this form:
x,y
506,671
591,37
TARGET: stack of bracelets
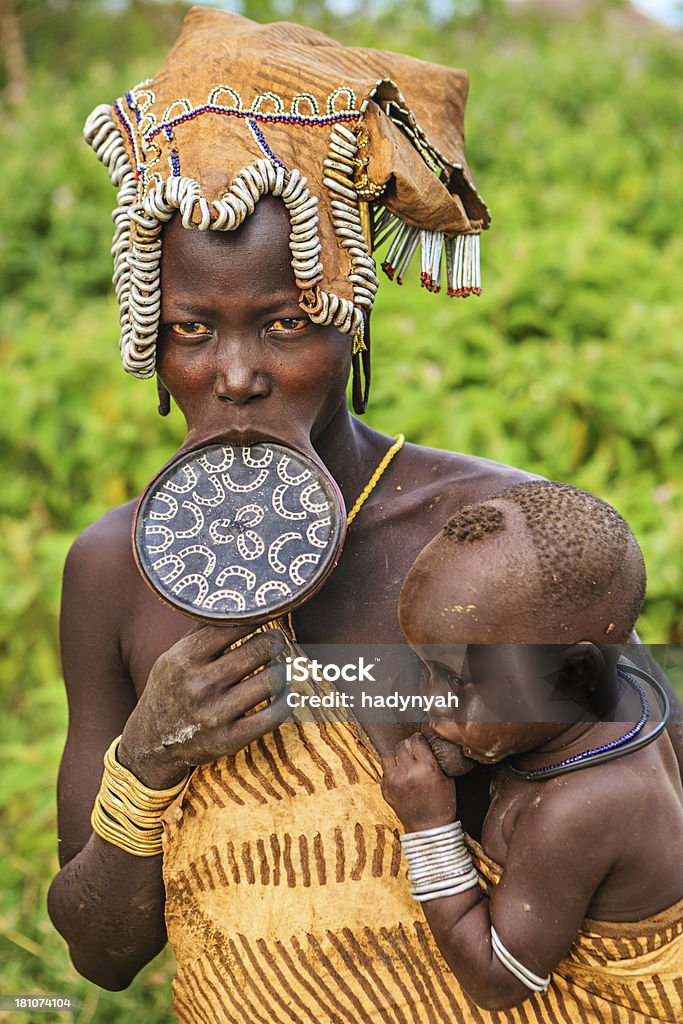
x,y
439,863
127,813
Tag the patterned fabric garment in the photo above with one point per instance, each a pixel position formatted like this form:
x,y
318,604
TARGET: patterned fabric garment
x,y
287,902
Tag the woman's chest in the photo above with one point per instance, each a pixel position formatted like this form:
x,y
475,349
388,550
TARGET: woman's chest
x,y
352,617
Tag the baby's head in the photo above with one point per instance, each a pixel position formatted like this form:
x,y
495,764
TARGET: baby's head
x,y
543,565
538,563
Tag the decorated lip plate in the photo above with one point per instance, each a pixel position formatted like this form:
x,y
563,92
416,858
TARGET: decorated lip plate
x,y
238,534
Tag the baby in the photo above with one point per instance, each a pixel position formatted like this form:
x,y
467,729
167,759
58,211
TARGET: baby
x,y
574,901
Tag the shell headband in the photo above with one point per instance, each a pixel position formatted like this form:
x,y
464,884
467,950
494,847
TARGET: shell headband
x,y
361,146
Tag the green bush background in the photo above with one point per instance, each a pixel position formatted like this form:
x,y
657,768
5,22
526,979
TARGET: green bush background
x,y
570,364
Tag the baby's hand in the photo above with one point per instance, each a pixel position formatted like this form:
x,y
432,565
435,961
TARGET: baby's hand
x,y
416,788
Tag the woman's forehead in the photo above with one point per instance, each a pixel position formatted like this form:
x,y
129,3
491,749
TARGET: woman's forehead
x,y
268,226
256,254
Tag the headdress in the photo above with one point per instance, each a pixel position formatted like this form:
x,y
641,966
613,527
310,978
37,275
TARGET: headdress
x,y
360,145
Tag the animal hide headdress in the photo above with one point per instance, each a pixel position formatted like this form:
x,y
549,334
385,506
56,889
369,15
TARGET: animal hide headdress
x,y
360,145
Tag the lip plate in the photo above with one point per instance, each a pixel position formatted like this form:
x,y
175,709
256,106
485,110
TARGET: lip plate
x,y
251,614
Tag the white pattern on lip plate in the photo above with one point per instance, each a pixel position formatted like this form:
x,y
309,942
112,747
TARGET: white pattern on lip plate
x,y
254,516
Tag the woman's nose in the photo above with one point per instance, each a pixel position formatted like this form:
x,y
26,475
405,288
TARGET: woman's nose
x,y
239,376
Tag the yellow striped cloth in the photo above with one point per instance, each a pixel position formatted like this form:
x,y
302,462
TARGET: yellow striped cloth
x,y
287,902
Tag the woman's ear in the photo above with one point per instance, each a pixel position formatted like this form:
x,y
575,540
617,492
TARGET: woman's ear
x,y
164,406
360,366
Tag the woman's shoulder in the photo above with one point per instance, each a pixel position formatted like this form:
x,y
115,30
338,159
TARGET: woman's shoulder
x,y
465,478
100,587
103,551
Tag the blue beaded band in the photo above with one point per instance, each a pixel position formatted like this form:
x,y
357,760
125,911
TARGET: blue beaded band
x,y
211,108
625,744
260,139
129,132
131,103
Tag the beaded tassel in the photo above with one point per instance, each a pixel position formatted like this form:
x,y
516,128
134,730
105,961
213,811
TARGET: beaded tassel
x,y
400,252
385,226
462,265
407,253
432,244
462,256
389,264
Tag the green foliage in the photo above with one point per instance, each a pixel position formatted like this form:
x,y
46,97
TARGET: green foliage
x,y
570,364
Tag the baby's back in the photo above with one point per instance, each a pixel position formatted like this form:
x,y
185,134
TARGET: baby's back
x,y
621,823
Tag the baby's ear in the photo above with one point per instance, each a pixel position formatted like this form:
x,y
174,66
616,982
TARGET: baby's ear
x,y
583,669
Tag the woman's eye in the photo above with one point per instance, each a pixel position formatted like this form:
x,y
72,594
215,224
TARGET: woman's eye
x,y
289,324
190,329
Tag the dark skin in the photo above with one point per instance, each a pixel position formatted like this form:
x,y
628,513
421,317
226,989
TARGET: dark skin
x,y
242,363
621,864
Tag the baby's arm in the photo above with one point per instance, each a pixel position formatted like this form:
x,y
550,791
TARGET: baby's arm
x,y
558,855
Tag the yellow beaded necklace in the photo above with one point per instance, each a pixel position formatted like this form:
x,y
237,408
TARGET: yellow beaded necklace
x,y
399,440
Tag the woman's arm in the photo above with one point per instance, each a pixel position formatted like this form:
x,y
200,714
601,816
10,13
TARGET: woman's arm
x,y
108,904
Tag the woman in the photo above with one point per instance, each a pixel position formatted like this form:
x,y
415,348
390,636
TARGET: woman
x,y
251,300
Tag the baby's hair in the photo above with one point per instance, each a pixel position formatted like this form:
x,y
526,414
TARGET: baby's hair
x,y
473,522
581,542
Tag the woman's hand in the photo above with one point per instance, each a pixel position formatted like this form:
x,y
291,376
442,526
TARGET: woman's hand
x,y
194,706
416,788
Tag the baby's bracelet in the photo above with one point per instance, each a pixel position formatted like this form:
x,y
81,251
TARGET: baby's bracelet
x,y
532,981
127,813
439,863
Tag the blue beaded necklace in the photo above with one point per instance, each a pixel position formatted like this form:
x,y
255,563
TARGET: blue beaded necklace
x,y
626,744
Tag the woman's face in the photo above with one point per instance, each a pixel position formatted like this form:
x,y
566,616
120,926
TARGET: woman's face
x,y
239,356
